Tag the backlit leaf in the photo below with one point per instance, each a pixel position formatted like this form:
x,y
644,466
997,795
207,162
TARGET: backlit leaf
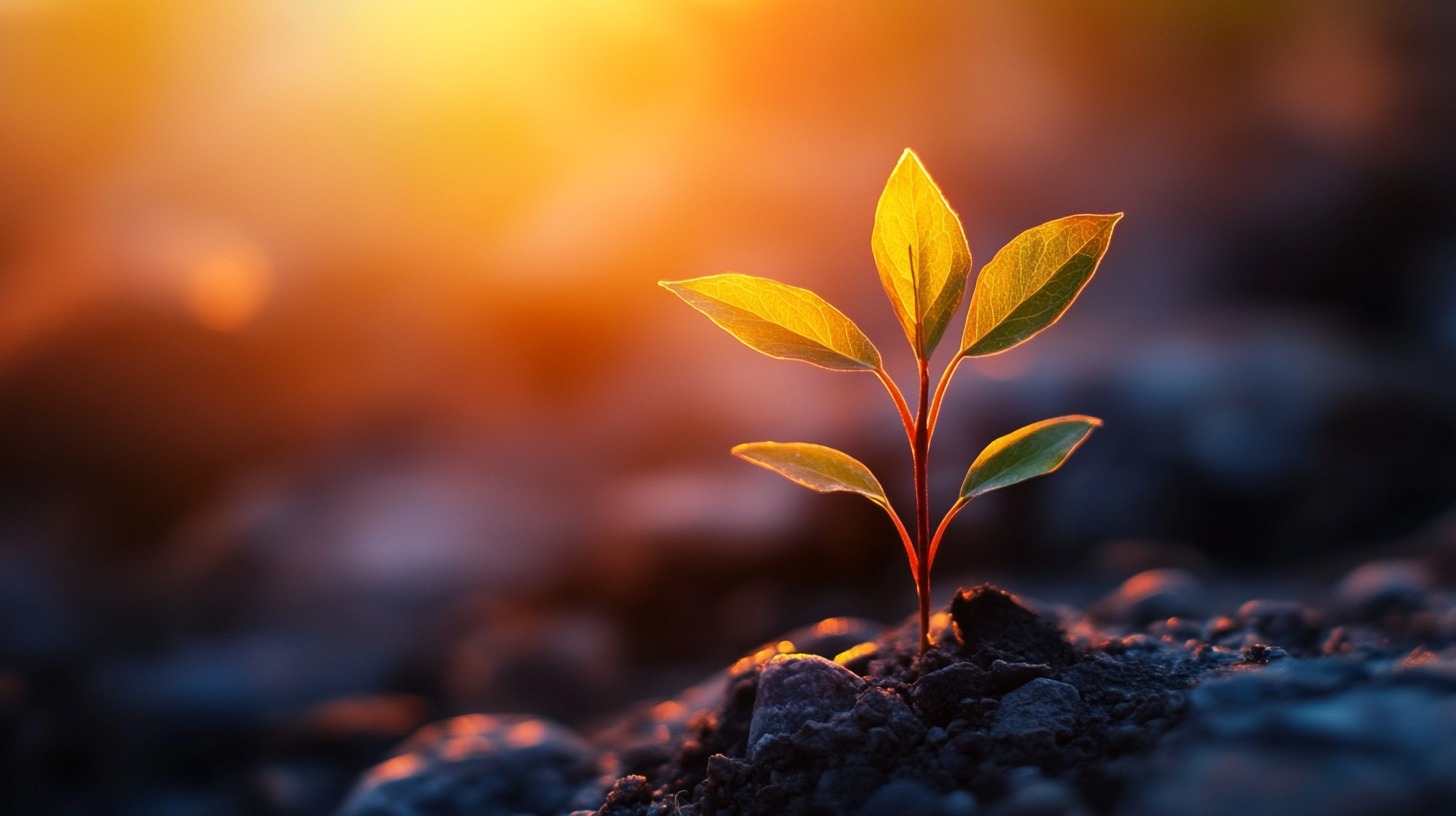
x,y
921,253
1039,448
779,320
1032,281
815,467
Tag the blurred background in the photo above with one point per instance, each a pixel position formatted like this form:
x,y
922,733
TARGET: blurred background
x,y
336,393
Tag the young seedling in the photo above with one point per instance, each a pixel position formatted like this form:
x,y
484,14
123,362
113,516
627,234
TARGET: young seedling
x,y
924,262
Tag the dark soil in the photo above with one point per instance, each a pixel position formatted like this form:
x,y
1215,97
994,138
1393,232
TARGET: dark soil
x,y
1276,708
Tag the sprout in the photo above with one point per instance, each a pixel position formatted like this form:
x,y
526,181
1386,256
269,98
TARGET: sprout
x,y
921,252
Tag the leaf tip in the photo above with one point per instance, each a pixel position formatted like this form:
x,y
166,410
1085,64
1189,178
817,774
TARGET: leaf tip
x,y
909,156
746,450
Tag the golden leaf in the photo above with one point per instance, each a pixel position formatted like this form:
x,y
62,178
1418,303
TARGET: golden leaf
x,y
815,467
780,320
1032,281
921,253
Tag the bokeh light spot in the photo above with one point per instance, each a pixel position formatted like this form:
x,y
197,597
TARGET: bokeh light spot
x,y
227,285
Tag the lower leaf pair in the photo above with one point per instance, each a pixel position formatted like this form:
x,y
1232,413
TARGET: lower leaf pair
x,y
1023,454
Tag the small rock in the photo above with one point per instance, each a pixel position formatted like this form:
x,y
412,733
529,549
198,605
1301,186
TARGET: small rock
x,y
1152,595
1288,623
1263,653
627,793
795,689
1004,676
992,625
480,765
937,696
1042,703
1377,588
877,707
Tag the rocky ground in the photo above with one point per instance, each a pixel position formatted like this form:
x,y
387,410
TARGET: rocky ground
x,y
1151,701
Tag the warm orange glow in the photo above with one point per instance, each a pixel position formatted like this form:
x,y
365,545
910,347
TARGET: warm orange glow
x,y
939,621
227,286
668,710
831,626
762,656
1144,583
457,748
854,653
470,724
378,715
526,734
396,768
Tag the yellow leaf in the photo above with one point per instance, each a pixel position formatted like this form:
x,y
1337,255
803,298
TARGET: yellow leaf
x,y
779,320
921,253
1032,281
815,466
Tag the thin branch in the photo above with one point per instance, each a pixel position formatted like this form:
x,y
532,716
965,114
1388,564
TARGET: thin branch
x,y
940,531
906,418
940,390
904,538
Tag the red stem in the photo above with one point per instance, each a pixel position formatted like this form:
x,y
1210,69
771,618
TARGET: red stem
x,y
940,531
940,391
920,450
899,398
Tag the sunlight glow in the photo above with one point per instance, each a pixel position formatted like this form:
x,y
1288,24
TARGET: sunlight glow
x,y
832,626
228,285
396,768
526,735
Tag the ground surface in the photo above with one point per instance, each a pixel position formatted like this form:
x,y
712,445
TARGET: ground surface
x,y
1149,702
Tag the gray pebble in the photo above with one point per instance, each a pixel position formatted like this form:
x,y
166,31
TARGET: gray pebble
x,y
1042,703
1151,595
1374,588
795,689
481,765
1308,736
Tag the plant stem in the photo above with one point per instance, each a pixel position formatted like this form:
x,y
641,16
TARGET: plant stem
x,y
899,398
910,552
940,391
920,460
940,531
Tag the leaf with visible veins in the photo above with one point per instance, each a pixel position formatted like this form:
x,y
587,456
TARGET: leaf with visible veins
x,y
780,320
815,467
921,253
1032,281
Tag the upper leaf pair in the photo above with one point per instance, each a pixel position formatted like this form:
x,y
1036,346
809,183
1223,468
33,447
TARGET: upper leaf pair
x,y
923,260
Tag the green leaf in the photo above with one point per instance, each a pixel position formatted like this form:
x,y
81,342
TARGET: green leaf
x,y
815,467
1032,281
779,320
1039,448
921,253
